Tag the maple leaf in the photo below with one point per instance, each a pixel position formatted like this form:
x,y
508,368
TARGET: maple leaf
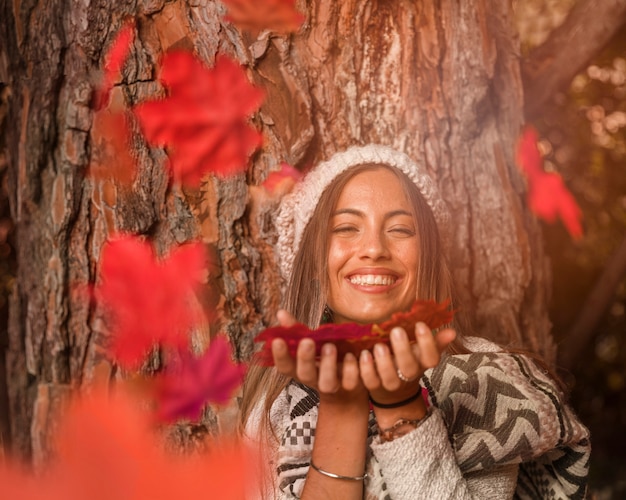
x,y
107,448
150,301
114,61
279,16
548,197
203,120
183,391
351,337
527,154
283,180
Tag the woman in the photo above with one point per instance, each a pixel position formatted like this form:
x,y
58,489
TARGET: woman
x,y
359,241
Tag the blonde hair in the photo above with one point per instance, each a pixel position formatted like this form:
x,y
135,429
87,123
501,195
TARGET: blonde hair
x,y
308,285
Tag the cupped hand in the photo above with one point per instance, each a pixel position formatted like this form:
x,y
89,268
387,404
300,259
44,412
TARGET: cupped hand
x,y
379,371
332,378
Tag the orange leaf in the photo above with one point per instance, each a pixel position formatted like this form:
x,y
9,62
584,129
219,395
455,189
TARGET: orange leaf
x,y
282,180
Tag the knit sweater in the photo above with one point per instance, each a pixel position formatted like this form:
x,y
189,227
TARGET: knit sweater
x,y
498,428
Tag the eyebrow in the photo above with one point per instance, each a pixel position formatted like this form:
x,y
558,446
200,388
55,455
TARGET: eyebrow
x,y
359,213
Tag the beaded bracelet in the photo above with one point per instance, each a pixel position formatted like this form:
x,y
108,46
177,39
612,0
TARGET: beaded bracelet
x,y
338,476
391,433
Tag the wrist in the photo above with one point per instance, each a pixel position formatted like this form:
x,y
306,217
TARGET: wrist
x,y
386,417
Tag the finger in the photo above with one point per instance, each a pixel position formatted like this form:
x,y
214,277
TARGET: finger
x,y
428,354
386,368
285,318
444,338
369,375
328,380
406,361
283,361
306,369
349,372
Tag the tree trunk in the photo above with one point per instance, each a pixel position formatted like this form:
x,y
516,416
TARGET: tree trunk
x,y
437,79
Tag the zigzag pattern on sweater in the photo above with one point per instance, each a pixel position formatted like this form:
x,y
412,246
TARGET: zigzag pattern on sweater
x,y
502,409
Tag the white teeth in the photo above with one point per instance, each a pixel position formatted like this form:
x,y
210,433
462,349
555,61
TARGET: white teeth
x,y
372,279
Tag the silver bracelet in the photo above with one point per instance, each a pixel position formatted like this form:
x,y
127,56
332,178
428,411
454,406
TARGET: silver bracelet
x,y
338,476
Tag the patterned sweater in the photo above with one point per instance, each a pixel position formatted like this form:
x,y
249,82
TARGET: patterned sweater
x,y
498,428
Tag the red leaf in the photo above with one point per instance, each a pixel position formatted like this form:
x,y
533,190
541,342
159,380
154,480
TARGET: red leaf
x,y
203,121
149,300
110,147
212,378
114,62
527,153
279,16
282,180
351,337
549,198
108,450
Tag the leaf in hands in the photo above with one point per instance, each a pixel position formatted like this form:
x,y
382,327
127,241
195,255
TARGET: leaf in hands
x,y
183,390
203,120
279,16
149,300
351,337
548,197
431,312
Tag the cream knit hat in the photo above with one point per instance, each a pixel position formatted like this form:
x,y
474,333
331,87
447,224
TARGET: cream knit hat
x,y
298,206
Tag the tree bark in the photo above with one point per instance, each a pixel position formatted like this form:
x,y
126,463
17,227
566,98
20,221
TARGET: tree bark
x,y
550,67
439,80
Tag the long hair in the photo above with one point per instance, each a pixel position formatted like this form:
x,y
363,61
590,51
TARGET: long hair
x,y
309,282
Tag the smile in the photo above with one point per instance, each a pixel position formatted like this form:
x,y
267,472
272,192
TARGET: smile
x,y
372,279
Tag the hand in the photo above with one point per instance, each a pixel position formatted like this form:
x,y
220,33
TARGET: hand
x,y
380,371
332,379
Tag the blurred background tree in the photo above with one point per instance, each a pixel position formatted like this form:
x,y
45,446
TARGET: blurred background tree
x,y
583,129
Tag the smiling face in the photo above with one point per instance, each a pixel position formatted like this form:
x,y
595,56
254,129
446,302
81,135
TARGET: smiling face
x,y
373,249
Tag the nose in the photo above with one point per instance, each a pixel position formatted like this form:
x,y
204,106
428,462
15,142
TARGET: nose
x,y
374,245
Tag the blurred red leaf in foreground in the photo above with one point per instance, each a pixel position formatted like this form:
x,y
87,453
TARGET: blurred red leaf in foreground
x,y
279,16
185,388
548,197
351,337
107,448
203,120
149,300
282,180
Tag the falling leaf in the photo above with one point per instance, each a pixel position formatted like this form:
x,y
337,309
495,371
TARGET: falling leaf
x,y
351,337
149,300
183,391
203,120
527,153
114,61
279,16
107,448
548,197
283,180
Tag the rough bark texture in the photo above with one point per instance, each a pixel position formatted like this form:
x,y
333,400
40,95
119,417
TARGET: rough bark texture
x,y
437,79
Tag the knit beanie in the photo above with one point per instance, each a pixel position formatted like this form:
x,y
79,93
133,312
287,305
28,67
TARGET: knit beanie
x,y
297,207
